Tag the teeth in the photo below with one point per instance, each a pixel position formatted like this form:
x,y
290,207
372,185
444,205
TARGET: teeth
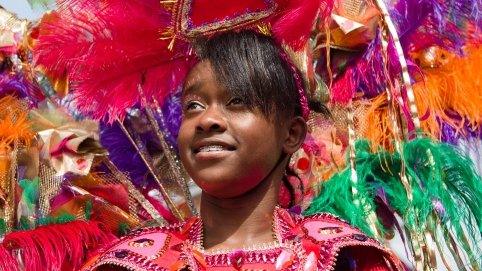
x,y
211,148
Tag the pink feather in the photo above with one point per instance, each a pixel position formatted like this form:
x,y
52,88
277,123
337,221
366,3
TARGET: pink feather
x,y
344,88
294,24
56,247
106,56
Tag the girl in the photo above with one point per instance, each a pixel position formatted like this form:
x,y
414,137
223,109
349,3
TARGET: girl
x,y
242,120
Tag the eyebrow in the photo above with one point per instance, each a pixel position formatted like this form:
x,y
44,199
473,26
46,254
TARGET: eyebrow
x,y
192,88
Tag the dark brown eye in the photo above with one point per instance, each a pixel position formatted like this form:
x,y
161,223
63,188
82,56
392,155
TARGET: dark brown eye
x,y
193,105
236,101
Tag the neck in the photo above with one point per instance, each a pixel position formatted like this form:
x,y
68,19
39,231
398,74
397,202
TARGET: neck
x,y
241,221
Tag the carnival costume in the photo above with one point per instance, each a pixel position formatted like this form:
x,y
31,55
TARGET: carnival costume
x,y
318,242
402,78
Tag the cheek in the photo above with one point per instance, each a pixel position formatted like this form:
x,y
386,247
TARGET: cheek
x,y
261,148
262,138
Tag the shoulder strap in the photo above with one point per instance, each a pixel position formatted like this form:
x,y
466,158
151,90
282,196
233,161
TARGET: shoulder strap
x,y
326,235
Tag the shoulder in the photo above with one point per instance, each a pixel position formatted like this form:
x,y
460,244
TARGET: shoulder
x,y
147,248
328,236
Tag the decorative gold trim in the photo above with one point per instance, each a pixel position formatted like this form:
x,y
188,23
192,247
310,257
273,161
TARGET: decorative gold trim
x,y
181,20
145,243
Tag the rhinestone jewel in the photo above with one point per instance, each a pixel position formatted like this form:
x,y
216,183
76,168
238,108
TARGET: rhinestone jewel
x,y
142,242
360,237
236,258
284,260
121,253
310,263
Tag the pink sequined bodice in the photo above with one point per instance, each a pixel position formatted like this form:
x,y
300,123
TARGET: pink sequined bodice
x,y
302,243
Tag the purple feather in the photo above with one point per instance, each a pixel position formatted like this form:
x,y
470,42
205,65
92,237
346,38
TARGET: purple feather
x,y
172,115
424,23
451,135
18,86
369,68
439,208
124,155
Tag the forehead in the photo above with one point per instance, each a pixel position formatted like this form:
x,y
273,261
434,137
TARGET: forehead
x,y
201,76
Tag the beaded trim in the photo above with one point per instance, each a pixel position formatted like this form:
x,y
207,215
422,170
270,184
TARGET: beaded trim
x,y
289,230
183,25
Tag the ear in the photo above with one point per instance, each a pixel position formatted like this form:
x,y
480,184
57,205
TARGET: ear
x,y
297,129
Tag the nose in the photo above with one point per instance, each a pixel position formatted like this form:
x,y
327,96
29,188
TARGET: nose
x,y
212,120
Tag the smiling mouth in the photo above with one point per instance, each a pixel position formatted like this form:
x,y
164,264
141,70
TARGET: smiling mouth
x,y
213,148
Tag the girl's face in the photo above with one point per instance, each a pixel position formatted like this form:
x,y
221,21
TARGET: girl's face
x,y
226,148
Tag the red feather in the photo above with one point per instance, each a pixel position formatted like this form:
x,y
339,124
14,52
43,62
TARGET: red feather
x,y
55,247
107,49
7,262
293,26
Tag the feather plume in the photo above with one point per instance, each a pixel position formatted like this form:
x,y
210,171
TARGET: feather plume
x,y
344,89
17,85
451,134
106,57
424,23
14,125
8,262
374,123
455,193
171,119
124,155
420,24
445,96
56,247
340,185
295,23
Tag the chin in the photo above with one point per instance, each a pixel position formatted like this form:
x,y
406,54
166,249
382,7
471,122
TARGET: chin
x,y
215,184
224,192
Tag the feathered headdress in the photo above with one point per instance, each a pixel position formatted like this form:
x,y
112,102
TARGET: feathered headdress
x,y
107,58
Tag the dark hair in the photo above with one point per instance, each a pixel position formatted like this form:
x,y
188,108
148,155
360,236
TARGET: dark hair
x,y
250,66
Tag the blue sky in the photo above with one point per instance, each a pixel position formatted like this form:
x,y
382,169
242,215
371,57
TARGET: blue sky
x,y
21,8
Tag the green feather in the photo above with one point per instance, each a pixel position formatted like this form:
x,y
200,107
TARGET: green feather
x,y
24,224
3,227
60,219
123,229
30,191
42,4
444,183
26,208
449,178
88,209
340,185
